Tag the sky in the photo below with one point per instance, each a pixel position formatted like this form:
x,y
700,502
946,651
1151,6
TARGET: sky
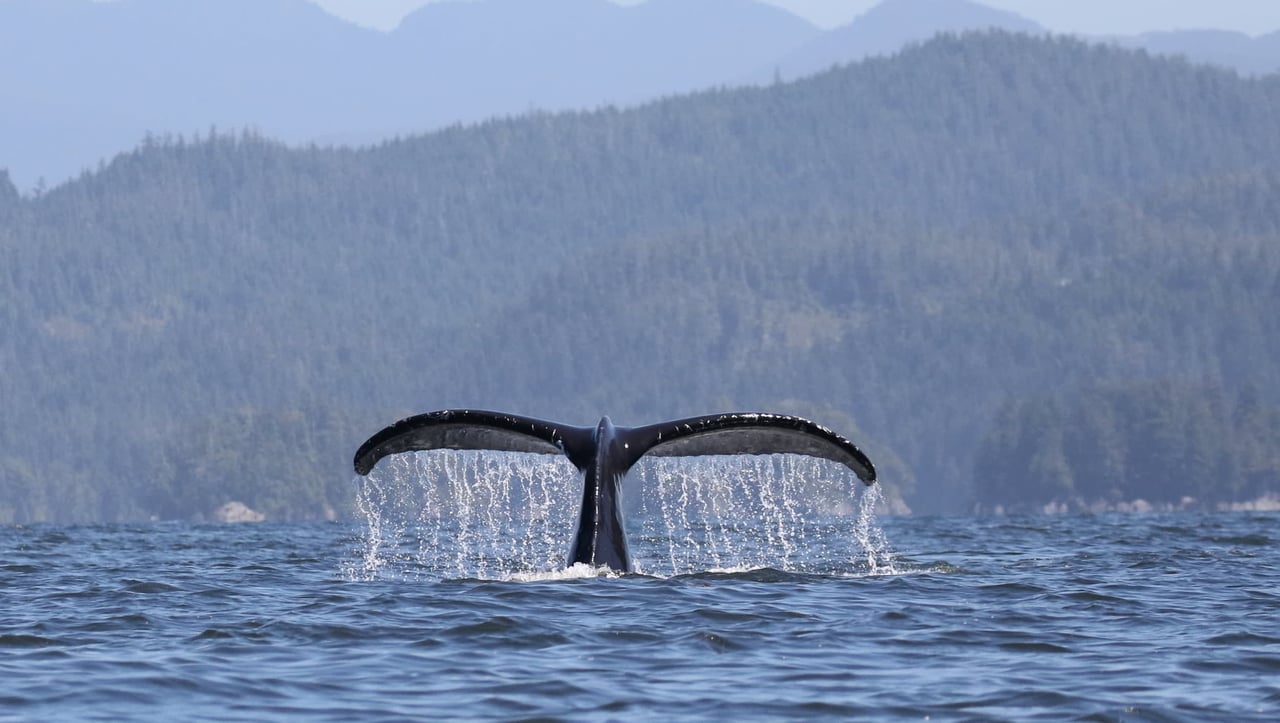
x,y
1090,17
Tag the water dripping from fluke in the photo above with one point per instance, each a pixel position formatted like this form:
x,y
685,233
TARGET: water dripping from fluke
x,y
480,495
464,514
445,515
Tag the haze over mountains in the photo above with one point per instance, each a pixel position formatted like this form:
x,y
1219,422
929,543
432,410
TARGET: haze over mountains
x,y
84,80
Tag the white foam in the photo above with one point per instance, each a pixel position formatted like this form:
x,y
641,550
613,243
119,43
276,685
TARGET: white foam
x,y
576,571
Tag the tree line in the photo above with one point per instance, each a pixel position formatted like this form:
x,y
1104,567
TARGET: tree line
x,y
1167,443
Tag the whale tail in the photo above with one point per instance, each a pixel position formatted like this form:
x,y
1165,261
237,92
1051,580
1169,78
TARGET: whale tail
x,y
716,434
604,453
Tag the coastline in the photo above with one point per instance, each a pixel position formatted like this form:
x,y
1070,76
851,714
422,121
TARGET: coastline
x,y
1269,502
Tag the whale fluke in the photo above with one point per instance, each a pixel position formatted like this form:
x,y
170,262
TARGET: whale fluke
x,y
748,433
604,453
472,429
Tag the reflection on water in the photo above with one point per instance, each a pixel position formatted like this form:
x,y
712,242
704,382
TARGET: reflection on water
x,y
500,515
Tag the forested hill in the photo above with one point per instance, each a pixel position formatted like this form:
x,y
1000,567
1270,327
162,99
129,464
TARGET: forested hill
x,y
897,248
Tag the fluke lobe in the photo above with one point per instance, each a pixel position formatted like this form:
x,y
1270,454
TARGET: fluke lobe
x,y
604,453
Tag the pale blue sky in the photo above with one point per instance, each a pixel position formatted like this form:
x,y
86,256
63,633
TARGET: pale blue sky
x,y
1094,17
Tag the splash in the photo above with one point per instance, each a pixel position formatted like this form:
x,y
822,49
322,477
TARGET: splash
x,y
870,535
786,512
465,514
510,516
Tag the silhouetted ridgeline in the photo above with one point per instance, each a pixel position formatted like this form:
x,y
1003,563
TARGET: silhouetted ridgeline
x,y
906,243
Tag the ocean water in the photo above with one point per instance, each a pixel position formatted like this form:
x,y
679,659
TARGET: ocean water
x,y
1109,617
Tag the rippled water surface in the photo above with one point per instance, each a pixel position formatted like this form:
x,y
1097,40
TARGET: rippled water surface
x,y
1143,617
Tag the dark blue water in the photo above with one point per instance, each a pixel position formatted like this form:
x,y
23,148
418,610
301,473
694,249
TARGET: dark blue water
x,y
1142,617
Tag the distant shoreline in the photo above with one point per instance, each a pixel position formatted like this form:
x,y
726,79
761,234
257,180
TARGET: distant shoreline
x,y
1269,502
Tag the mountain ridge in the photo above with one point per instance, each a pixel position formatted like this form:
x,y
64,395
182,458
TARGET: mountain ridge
x,y
891,25
292,71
